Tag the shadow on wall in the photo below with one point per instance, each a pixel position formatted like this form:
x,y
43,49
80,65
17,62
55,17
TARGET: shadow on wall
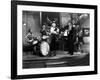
x,y
65,18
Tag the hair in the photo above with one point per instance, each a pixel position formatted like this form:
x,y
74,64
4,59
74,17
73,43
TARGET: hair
x,y
29,30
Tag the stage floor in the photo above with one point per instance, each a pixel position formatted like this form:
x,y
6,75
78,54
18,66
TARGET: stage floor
x,y
62,59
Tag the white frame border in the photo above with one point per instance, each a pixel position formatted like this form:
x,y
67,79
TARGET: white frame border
x,y
21,71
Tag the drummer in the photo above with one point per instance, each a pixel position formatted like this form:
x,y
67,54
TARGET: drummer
x,y
44,32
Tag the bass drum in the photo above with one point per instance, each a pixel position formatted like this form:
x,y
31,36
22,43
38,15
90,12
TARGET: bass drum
x,y
42,49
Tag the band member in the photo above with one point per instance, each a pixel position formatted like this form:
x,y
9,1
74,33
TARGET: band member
x,y
29,36
31,41
43,31
54,31
80,40
71,40
66,31
70,25
65,36
45,34
76,37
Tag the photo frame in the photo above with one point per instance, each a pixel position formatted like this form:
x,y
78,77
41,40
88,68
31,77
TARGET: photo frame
x,y
29,13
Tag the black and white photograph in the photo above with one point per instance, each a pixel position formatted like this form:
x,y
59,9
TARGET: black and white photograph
x,y
53,40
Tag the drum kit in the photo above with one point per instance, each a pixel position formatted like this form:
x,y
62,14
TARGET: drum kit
x,y
40,44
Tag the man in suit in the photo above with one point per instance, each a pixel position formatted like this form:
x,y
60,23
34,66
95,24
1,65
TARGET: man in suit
x,y
71,40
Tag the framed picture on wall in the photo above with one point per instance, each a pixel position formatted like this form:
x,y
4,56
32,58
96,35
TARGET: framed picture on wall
x,y
53,39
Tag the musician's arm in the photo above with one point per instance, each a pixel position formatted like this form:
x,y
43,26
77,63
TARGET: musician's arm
x,y
26,36
57,30
27,39
31,40
52,31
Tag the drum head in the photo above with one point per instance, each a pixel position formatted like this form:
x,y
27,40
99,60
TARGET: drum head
x,y
44,48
